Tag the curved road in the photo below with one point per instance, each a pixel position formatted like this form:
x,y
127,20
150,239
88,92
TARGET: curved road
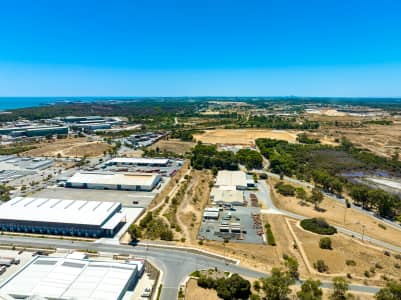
x,y
175,264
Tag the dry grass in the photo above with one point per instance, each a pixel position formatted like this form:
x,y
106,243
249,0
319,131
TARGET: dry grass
x,y
333,212
194,292
70,147
345,248
382,140
244,136
191,208
173,145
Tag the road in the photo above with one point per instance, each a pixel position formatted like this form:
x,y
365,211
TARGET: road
x,y
174,263
335,198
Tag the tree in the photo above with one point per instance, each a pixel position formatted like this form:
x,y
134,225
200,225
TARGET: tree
x,y
391,292
340,288
300,193
292,265
316,198
135,232
310,290
325,243
276,287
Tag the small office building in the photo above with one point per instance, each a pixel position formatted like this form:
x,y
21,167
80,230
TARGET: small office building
x,y
138,162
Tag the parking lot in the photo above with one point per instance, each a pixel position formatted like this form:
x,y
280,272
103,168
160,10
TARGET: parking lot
x,y
210,229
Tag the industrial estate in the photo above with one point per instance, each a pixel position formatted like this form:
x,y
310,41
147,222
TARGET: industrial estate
x,y
220,198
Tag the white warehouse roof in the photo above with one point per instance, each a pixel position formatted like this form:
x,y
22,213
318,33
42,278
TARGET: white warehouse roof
x,y
130,179
64,278
231,178
227,196
139,160
58,211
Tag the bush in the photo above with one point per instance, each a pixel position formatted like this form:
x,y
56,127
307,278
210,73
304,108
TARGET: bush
x,y
319,226
350,262
269,235
325,243
321,266
263,176
285,189
366,273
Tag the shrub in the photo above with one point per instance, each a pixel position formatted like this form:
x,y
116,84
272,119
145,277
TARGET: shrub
x,y
325,243
366,273
382,226
397,266
263,176
285,189
318,225
269,235
321,266
378,266
350,262
387,253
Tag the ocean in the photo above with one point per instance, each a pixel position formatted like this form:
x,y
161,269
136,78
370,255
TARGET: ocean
x,y
7,103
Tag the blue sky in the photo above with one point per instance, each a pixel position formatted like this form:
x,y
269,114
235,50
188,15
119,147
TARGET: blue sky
x,y
205,47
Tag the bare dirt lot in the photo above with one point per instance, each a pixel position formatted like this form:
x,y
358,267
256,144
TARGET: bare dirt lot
x,y
173,145
244,136
364,258
333,212
70,147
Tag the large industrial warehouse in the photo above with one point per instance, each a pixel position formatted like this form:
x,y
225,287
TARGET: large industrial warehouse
x,y
139,161
114,181
61,217
232,180
65,278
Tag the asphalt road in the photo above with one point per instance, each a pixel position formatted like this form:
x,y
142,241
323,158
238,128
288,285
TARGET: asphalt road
x,y
175,264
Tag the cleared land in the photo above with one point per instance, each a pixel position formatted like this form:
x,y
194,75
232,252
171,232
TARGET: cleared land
x,y
70,147
189,213
364,258
244,136
173,145
382,140
334,212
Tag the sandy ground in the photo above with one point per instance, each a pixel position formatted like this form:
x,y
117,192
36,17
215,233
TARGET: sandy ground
x,y
380,139
333,212
70,147
190,211
244,136
194,292
173,145
346,248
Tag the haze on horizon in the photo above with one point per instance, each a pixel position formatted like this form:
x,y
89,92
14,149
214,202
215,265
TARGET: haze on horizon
x,y
200,47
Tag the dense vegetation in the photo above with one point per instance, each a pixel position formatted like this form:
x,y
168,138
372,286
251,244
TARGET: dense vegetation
x,y
233,287
153,228
207,157
325,166
319,226
15,149
184,135
285,189
277,122
251,159
304,139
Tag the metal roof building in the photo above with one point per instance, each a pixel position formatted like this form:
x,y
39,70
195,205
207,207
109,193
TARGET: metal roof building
x,y
61,217
235,179
139,161
222,196
114,181
65,278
